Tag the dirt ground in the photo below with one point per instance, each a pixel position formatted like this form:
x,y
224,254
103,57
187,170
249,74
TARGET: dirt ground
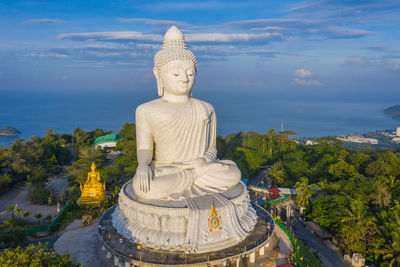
x,y
19,195
80,243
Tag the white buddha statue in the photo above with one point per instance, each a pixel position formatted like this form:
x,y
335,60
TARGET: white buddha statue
x,y
184,199
183,131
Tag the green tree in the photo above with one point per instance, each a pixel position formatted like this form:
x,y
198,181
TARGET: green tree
x,y
359,230
277,173
10,209
87,154
48,218
342,170
18,211
25,214
304,191
34,256
38,216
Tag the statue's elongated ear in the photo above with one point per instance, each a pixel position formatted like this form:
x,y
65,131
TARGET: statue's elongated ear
x,y
159,82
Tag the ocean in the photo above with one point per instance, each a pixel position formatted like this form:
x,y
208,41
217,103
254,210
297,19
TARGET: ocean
x,y
33,113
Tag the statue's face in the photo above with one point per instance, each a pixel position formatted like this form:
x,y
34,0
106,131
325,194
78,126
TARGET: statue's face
x,y
177,77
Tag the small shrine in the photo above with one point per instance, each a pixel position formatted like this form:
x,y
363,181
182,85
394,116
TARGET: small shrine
x,y
274,193
93,191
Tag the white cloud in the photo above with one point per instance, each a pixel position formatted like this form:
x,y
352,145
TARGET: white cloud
x,y
302,77
306,82
391,65
196,38
355,61
153,21
112,36
231,37
42,21
302,73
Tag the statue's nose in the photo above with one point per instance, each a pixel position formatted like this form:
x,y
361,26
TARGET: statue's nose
x,y
183,77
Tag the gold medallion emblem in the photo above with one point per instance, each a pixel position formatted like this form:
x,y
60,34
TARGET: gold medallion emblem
x,y
214,220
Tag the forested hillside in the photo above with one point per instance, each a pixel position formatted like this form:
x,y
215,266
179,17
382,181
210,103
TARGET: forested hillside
x,y
354,194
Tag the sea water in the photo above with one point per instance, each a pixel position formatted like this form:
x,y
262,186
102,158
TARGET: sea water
x,y
33,113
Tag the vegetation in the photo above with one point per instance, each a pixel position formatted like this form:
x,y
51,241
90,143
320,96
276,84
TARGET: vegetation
x,y
394,111
33,161
9,131
34,255
352,193
308,258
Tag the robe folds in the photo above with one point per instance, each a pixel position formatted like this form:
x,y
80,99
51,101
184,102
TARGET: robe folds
x,y
181,133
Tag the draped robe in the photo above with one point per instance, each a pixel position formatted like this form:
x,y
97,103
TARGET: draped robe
x,y
182,132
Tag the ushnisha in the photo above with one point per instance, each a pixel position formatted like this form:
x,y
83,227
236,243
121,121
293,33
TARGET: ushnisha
x,y
183,131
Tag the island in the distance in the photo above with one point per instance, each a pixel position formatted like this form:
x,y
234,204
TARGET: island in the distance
x,y
9,131
394,111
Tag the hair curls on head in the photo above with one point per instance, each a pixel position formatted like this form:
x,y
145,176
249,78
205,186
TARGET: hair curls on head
x,y
174,48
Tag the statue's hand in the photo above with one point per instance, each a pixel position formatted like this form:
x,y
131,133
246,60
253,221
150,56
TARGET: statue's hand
x,y
144,173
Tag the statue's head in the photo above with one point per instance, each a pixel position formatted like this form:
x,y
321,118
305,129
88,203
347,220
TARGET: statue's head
x,y
93,167
175,66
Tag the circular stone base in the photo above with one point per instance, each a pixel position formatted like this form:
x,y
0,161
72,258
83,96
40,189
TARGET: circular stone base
x,y
259,244
199,224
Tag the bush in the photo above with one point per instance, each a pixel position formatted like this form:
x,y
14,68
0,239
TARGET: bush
x,y
11,239
38,255
40,195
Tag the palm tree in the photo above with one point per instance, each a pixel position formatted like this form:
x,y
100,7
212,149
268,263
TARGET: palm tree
x,y
391,231
392,251
277,173
360,226
38,216
304,191
323,186
90,154
49,217
11,209
25,214
18,212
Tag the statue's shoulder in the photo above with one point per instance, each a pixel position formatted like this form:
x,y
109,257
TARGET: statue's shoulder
x,y
150,106
207,105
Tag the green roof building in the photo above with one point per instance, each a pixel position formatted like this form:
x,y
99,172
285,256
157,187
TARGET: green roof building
x,y
107,141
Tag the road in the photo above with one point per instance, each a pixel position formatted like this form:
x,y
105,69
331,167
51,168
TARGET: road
x,y
328,256
261,179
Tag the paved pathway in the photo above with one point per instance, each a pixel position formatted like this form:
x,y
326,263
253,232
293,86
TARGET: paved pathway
x,y
328,256
284,246
80,243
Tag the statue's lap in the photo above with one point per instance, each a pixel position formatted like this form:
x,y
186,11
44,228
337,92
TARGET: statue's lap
x,y
170,180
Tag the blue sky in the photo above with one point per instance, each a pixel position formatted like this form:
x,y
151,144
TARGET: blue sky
x,y
336,48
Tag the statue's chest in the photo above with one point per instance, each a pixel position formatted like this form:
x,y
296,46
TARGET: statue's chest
x,y
182,117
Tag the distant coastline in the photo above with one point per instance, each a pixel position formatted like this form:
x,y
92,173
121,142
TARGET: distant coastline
x,y
394,111
9,131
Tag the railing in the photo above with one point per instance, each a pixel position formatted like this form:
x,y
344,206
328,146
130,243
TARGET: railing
x,y
292,240
247,250
276,201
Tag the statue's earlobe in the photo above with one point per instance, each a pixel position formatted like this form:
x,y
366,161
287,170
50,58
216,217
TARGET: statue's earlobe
x,y
159,82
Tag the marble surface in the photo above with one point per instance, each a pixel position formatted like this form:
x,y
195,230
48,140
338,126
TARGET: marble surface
x,y
186,225
184,198
183,131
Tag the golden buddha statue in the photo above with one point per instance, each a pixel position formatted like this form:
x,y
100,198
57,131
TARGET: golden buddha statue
x,y
93,191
